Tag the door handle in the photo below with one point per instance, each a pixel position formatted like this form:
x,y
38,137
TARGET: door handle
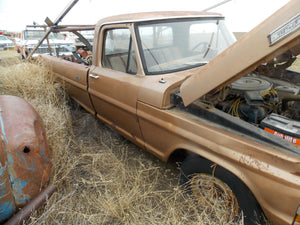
x,y
93,76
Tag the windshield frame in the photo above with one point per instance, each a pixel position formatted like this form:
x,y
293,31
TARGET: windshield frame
x,y
38,34
169,21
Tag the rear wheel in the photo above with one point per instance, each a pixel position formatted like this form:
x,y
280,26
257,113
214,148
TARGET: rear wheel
x,y
216,187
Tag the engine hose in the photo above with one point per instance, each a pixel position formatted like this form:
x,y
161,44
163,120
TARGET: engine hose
x,y
289,98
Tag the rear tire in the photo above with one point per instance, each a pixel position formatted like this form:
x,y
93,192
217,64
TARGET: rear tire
x,y
198,175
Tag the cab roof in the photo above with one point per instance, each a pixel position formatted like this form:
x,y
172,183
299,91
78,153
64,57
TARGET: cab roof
x,y
149,16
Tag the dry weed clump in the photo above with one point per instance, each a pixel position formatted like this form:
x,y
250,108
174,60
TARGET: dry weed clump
x,y
101,177
8,58
34,83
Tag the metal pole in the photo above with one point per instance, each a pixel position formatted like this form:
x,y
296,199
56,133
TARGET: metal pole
x,y
59,18
39,43
216,5
68,8
33,205
83,40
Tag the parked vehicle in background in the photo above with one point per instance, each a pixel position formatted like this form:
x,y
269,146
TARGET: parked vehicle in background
x,y
178,85
56,44
6,43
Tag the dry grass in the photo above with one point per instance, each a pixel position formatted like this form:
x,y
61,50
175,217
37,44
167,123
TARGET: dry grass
x,y
9,57
101,177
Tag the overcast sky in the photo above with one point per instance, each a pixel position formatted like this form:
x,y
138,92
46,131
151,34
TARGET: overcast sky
x,y
241,15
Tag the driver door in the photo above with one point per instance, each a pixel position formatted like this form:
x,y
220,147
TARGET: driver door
x,y
114,86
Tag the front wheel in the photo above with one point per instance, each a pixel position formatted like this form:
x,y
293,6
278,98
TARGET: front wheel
x,y
216,187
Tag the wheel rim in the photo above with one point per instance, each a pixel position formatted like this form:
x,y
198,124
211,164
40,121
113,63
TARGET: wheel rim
x,y
211,191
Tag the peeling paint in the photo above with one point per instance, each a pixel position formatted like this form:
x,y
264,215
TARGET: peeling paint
x,y
20,197
7,205
32,168
6,209
10,159
253,162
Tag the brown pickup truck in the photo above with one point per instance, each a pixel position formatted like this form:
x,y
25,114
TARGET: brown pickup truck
x,y
180,86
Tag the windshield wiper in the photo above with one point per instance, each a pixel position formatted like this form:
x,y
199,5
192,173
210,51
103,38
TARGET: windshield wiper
x,y
209,45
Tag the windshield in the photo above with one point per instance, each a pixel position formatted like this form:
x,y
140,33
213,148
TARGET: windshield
x,y
169,46
38,34
3,38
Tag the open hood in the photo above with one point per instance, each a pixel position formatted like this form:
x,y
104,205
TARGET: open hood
x,y
277,34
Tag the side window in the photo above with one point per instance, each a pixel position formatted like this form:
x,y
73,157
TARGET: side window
x,y
118,52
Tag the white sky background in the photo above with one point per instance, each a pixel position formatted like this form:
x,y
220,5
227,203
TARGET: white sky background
x,y
241,15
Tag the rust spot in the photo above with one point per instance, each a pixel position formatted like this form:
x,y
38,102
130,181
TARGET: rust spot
x,y
297,173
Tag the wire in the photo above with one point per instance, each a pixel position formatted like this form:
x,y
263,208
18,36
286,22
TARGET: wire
x,y
271,94
234,108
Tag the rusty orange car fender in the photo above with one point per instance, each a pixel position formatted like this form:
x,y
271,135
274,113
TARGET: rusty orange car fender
x,y
24,155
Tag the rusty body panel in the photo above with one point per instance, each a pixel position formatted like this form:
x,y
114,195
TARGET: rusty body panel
x,y
155,102
24,156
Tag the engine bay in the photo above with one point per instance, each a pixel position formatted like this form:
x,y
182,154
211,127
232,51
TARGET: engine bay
x,y
270,101
252,98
